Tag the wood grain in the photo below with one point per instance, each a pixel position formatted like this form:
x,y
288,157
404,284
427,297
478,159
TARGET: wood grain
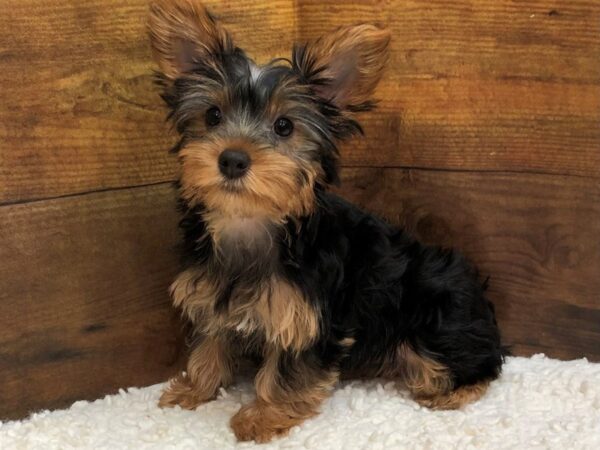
x,y
487,138
492,85
535,236
83,297
497,125
83,280
78,109
487,85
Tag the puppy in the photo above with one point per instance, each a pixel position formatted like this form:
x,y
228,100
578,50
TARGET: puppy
x,y
279,268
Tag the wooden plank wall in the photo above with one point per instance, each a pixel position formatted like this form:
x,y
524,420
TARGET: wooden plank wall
x,y
487,138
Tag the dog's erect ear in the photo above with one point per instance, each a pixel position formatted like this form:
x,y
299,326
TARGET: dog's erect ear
x,y
346,65
183,33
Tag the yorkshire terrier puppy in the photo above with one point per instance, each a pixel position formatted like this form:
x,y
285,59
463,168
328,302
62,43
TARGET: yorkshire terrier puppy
x,y
278,267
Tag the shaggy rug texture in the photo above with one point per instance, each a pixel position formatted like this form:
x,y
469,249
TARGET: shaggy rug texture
x,y
539,403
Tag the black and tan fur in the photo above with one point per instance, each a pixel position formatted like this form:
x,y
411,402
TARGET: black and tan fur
x,y
277,267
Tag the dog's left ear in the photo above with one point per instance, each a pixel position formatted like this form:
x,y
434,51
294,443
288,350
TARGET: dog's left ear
x,y
184,33
345,66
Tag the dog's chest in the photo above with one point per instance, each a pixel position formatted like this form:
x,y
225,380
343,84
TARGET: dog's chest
x,y
275,310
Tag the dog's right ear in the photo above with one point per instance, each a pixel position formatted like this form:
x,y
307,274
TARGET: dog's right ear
x,y
183,33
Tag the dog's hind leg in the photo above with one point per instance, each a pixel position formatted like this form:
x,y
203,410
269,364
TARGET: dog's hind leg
x,y
456,398
430,382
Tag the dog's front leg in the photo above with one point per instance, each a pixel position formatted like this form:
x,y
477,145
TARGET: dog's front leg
x,y
289,389
209,367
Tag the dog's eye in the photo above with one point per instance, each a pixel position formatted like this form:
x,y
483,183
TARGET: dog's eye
x,y
213,116
283,127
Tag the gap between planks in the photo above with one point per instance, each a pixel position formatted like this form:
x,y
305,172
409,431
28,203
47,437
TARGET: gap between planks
x,y
351,166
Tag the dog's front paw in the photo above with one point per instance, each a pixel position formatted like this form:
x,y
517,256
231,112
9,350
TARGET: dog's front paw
x,y
182,392
255,423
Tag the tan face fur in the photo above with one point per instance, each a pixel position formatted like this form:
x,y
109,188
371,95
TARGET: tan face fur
x,y
319,91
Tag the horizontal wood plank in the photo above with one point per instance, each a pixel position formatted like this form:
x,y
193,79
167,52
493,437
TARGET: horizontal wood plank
x,y
494,85
488,85
83,280
530,39
83,297
535,236
494,125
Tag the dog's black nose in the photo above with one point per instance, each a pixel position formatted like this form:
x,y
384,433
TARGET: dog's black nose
x,y
234,163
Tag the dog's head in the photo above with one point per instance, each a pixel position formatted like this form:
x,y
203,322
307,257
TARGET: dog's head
x,y
257,140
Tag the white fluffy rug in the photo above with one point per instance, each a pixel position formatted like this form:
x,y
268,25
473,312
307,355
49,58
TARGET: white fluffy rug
x,y
539,403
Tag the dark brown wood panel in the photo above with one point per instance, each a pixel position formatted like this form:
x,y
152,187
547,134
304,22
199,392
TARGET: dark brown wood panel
x,y
83,297
536,236
83,280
